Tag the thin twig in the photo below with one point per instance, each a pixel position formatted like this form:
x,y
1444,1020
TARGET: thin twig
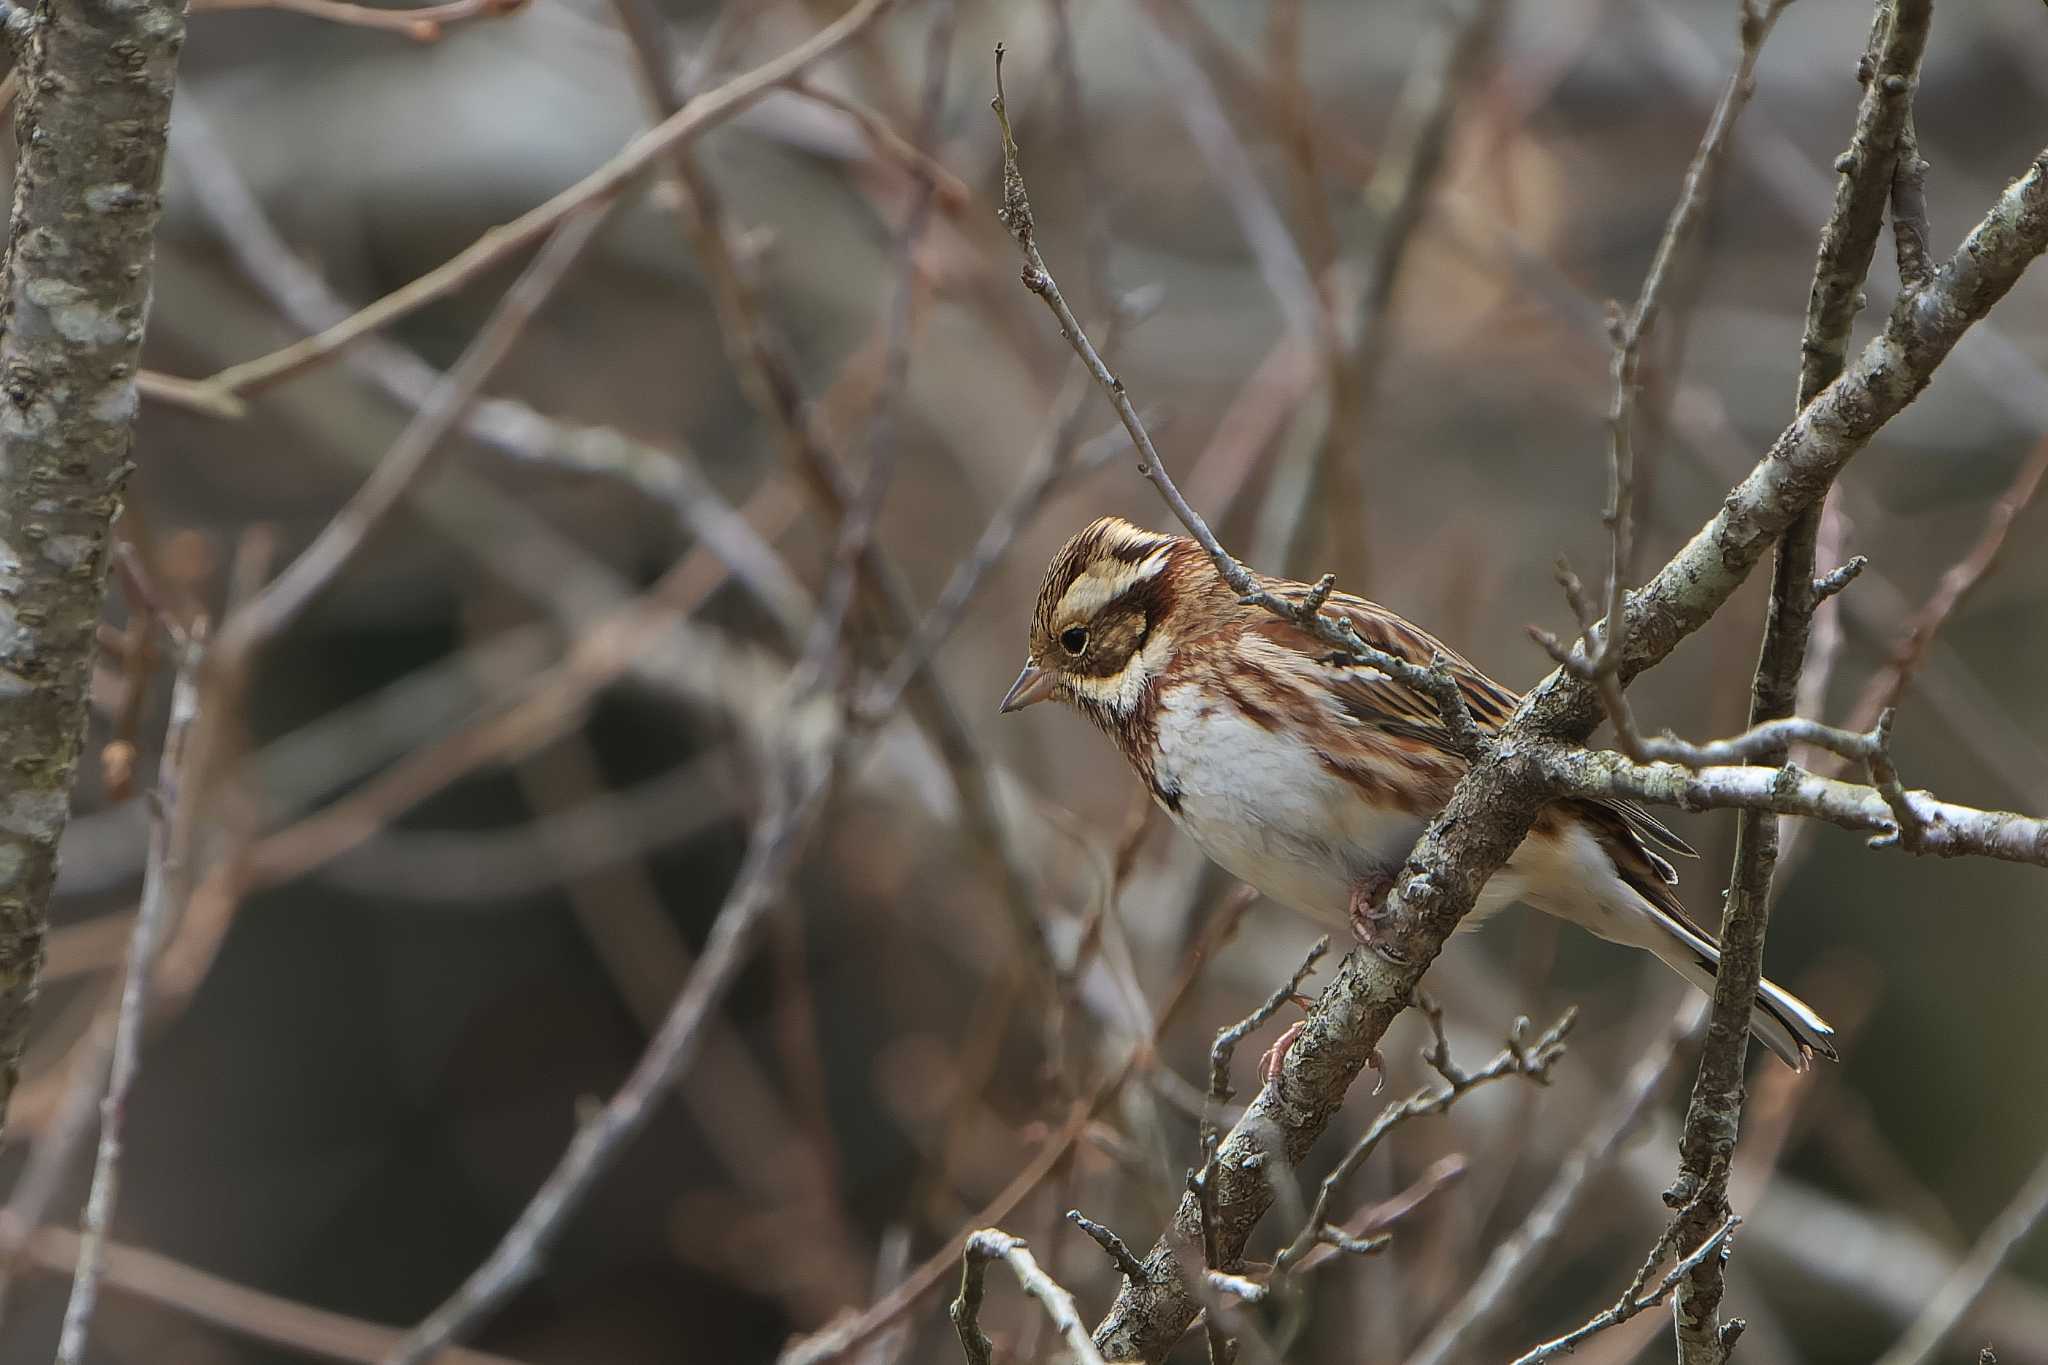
x,y
1629,1305
1112,1245
1606,645
166,884
1225,1047
1522,1056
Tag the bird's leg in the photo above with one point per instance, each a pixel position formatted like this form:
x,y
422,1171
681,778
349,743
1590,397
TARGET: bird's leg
x,y
1369,913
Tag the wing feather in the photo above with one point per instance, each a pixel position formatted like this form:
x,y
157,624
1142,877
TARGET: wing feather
x,y
1369,695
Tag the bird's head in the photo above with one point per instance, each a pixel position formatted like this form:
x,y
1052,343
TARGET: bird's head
x,y
1108,618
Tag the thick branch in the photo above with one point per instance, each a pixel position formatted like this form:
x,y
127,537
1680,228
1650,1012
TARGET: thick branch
x,y
1944,829
95,104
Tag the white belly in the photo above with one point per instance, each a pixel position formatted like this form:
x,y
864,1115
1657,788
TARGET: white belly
x,y
1263,807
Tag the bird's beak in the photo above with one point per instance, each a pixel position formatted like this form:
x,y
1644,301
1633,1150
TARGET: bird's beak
x,y
1034,684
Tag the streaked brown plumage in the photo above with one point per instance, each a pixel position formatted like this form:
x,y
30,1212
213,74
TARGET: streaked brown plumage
x,y
1309,776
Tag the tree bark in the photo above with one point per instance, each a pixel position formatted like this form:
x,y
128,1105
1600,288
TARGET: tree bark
x,y
94,110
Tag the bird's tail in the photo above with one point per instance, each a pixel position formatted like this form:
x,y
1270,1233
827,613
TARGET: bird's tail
x,y
1782,1021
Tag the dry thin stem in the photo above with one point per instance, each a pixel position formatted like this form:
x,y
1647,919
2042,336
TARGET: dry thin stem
x,y
1521,1056
1630,1304
993,1244
1605,645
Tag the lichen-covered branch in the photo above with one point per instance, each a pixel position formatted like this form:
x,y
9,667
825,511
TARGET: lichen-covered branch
x,y
94,110
1713,1117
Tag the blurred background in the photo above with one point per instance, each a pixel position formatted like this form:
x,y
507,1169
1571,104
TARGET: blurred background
x,y
485,855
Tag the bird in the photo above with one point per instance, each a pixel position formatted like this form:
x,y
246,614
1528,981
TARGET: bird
x,y
1309,775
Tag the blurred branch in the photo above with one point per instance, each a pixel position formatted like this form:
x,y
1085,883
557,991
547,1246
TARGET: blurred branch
x,y
410,458
993,1244
166,885
1888,686
635,159
91,124
1942,828
158,1279
802,779
1970,1279
1847,243
836,1341
768,380
423,25
672,478
1404,179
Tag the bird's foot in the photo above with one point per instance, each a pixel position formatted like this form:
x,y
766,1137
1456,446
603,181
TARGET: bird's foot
x,y
1276,1055
1371,920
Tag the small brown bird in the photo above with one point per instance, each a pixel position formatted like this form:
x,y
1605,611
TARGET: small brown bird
x,y
1310,777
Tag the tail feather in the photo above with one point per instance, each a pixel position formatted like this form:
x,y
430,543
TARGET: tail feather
x,y
1780,1020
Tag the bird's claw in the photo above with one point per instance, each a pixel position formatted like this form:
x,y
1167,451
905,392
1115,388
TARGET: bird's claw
x,y
1371,919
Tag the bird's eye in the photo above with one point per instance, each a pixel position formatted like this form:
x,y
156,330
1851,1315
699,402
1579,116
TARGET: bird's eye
x,y
1074,641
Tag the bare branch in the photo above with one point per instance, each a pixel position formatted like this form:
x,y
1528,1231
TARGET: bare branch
x,y
1112,1245
1630,1305
1847,244
993,1244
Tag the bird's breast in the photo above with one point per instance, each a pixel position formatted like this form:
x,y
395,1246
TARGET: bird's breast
x,y
1254,793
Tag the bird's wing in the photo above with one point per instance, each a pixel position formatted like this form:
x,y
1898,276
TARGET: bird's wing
x,y
1371,696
